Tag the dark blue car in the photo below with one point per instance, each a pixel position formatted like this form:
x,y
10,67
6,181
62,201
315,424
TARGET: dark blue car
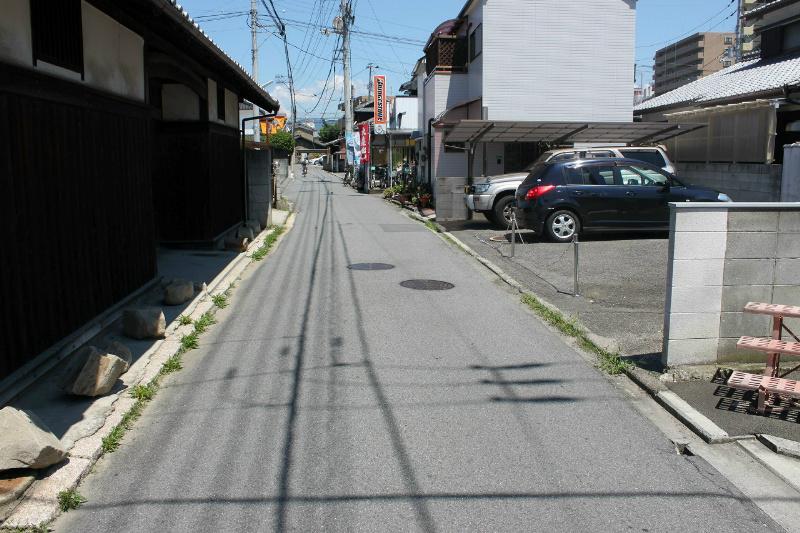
x,y
559,200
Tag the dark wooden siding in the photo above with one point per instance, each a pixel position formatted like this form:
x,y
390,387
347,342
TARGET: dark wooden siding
x,y
198,181
75,209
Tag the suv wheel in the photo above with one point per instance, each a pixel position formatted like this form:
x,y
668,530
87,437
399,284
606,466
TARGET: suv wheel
x,y
562,225
502,211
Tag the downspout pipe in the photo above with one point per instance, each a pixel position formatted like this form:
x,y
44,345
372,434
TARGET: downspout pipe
x,y
245,177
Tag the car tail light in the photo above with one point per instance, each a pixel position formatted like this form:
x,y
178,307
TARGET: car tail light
x,y
538,191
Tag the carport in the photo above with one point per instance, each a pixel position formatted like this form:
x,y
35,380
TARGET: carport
x,y
472,132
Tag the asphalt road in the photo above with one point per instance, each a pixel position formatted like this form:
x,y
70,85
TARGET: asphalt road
x,y
330,399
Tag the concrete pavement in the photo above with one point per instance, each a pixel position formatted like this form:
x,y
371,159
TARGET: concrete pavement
x,y
336,399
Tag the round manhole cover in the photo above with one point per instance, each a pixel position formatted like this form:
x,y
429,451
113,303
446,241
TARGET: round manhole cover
x,y
426,284
370,266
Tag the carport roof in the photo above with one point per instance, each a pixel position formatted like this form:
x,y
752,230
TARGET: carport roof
x,y
473,131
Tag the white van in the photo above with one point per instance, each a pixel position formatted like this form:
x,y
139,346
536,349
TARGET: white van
x,y
655,155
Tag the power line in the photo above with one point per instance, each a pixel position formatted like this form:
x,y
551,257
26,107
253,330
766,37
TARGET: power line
x,y
689,32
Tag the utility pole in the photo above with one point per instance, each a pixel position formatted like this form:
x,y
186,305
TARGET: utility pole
x,y
254,59
369,83
347,19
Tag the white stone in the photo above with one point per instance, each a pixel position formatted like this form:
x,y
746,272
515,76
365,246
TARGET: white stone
x,y
25,442
98,375
144,323
695,300
690,351
707,220
693,325
178,292
121,351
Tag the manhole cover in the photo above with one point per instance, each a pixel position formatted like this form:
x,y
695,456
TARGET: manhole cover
x,y
426,284
370,266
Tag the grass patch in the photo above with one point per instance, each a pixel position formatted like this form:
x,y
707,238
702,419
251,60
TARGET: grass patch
x,y
202,324
111,442
173,364
41,528
269,241
184,320
70,499
220,300
431,226
608,362
144,392
190,341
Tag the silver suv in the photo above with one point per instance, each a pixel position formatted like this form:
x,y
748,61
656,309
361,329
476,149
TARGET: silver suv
x,y
494,197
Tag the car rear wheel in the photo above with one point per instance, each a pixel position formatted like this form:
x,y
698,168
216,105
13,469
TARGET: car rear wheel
x,y
502,211
562,225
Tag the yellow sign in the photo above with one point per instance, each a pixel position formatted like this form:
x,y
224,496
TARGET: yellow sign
x,y
272,125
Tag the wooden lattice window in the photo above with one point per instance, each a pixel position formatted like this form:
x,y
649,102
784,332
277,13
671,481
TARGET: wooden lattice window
x,y
57,33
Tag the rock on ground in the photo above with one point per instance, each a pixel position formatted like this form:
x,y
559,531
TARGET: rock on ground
x,y
99,374
121,351
144,323
178,292
25,442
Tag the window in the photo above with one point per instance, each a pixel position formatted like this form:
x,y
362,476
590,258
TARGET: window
x,y
220,102
629,177
648,176
476,42
791,37
602,153
603,175
566,156
653,157
728,40
57,33
579,176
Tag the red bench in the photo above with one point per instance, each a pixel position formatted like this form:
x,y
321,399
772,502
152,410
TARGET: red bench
x,y
772,384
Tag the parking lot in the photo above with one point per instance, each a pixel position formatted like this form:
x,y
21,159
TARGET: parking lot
x,y
622,280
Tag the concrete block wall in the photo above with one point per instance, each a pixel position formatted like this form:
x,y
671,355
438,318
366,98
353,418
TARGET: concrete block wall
x,y
259,178
722,256
741,181
449,194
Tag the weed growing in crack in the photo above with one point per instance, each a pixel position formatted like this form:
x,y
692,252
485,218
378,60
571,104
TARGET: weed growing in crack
x,y
608,362
184,320
201,324
220,300
269,241
70,499
111,442
190,341
144,392
173,364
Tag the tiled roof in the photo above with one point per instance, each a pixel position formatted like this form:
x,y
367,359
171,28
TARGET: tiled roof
x,y
741,80
201,35
765,7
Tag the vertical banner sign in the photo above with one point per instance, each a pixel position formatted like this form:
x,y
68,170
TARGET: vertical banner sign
x,y
363,128
379,104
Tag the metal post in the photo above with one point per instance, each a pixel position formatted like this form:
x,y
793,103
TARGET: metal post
x,y
575,246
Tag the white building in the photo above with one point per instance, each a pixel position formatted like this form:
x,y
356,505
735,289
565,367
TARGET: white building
x,y
522,60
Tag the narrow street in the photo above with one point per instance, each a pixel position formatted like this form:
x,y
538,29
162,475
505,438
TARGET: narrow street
x,y
334,399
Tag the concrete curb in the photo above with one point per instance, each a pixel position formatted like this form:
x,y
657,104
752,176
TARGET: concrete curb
x,y
688,415
784,467
39,504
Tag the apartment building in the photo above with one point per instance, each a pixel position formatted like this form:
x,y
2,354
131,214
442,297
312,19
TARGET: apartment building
x,y
528,60
692,58
770,24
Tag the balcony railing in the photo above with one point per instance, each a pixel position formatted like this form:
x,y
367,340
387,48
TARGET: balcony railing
x,y
446,53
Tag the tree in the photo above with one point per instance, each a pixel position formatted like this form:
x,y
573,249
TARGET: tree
x,y
328,133
282,141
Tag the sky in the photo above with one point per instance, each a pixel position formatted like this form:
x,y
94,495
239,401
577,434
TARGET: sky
x,y
400,29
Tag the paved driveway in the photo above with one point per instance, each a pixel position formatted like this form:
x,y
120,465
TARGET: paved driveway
x,y
621,279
